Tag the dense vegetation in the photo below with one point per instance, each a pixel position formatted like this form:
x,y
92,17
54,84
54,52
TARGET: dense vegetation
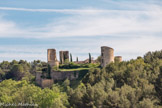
x,y
22,92
128,84
18,70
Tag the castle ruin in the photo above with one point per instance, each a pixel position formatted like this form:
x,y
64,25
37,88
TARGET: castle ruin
x,y
55,76
64,56
70,75
107,55
51,57
118,59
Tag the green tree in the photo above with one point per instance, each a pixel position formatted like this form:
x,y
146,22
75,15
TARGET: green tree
x,y
5,65
76,96
66,84
2,74
49,72
158,86
17,72
146,103
71,59
90,59
13,62
15,92
66,61
77,59
98,59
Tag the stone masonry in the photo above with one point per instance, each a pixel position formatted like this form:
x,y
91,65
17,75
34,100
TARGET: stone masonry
x,y
64,55
107,55
118,59
43,82
71,75
51,57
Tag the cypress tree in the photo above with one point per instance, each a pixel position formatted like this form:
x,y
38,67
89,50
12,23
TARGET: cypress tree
x,y
89,58
77,59
49,72
71,59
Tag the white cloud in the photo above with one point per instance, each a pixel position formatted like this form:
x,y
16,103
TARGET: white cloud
x,y
68,11
139,32
103,22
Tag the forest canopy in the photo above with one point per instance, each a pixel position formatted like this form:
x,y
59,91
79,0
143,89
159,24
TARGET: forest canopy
x,y
136,83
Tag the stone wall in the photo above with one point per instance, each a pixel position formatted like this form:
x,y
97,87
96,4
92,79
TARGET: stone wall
x,y
38,78
43,82
46,83
56,76
71,75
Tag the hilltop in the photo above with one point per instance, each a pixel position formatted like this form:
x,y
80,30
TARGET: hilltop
x,y
127,84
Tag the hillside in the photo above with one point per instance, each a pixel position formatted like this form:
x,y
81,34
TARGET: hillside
x,y
128,84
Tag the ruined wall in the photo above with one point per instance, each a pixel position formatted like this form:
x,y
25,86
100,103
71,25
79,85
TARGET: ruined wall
x,y
107,55
64,55
56,75
51,57
46,83
43,82
38,77
71,75
118,59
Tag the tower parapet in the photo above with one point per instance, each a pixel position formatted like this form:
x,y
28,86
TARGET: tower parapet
x,y
107,55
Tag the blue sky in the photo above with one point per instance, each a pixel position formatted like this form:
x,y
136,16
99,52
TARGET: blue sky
x,y
29,27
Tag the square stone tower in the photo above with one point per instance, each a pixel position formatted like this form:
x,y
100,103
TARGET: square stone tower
x,y
107,55
64,55
51,57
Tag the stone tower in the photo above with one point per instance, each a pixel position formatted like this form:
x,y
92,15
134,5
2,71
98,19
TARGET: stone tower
x,y
107,55
64,55
51,57
118,59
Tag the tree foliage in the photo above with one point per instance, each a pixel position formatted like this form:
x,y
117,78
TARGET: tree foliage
x,y
128,84
136,83
90,58
22,92
71,58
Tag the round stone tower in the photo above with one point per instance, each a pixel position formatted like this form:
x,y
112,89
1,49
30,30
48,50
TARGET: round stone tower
x,y
51,57
107,55
118,58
